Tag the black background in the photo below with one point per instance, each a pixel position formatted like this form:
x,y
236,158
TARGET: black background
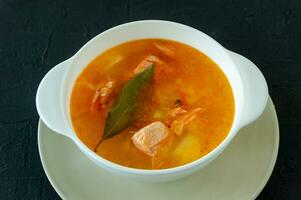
x,y
36,35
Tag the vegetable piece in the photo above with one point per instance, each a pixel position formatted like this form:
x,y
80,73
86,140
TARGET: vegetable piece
x,y
148,138
164,49
116,59
158,114
164,150
187,150
177,126
87,84
119,116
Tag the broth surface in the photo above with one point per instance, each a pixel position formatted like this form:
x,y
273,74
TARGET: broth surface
x,y
187,77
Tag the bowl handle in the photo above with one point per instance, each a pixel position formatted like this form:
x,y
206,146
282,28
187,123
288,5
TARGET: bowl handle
x,y
254,86
49,99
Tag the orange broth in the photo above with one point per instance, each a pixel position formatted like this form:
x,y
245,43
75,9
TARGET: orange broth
x,y
188,76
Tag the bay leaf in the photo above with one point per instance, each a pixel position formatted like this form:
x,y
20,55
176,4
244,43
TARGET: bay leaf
x,y
121,113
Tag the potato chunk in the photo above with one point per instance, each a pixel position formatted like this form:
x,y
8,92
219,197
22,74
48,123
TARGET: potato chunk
x,y
187,150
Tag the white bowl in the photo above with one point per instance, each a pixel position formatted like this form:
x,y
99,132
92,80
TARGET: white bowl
x,y
247,82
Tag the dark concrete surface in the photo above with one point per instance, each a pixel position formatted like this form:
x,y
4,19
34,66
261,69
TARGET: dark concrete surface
x,y
35,35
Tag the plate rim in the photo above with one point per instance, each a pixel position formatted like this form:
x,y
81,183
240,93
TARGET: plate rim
x,y
45,168
275,155
253,197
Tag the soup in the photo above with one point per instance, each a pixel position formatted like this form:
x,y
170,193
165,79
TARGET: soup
x,y
152,104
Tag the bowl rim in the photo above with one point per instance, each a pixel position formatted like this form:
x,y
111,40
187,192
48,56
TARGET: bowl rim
x,y
151,172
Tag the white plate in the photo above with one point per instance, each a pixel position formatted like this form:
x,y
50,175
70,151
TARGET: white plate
x,y
239,173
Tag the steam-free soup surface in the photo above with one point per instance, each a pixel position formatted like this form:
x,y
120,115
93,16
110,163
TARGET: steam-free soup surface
x,y
184,81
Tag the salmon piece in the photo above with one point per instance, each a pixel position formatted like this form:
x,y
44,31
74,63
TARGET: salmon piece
x,y
177,126
147,61
168,51
176,111
102,93
148,138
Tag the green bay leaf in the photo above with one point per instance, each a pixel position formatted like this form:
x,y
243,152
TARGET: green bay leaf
x,y
120,114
